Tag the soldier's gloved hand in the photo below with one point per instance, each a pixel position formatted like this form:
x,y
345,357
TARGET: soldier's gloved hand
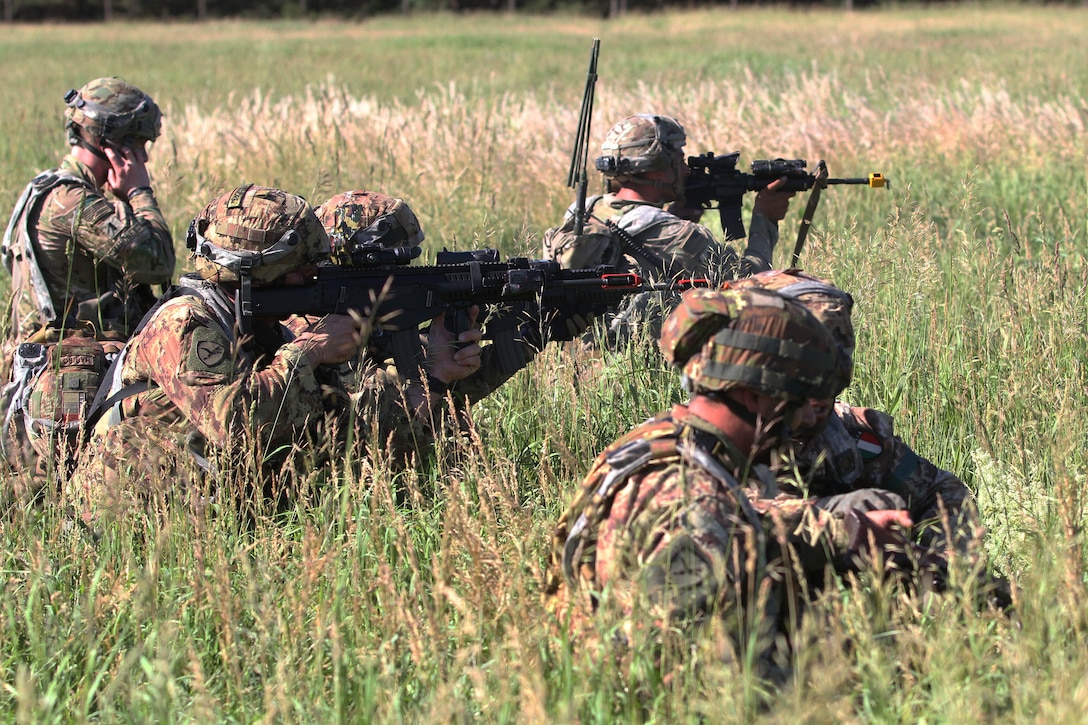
x,y
681,209
567,325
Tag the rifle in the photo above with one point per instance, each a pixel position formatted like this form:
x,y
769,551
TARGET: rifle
x,y
397,299
717,179
577,178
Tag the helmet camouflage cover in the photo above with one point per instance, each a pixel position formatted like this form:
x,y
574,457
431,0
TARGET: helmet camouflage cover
x,y
756,339
641,143
256,230
112,109
360,217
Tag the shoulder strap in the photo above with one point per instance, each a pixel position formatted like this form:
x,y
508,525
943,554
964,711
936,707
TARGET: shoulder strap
x,y
19,225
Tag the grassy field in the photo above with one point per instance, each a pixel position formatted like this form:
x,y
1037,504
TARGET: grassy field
x,y
969,277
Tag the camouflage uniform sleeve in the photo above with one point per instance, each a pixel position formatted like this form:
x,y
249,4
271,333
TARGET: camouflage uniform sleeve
x,y
818,538
185,352
893,466
132,237
762,240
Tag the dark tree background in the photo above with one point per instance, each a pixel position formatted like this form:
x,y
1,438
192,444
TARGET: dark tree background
x,y
106,10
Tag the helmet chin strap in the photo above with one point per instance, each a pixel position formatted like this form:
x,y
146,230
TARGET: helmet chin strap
x,y
76,140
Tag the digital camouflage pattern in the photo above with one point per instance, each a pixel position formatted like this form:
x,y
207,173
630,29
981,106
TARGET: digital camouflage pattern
x,y
756,339
858,449
678,248
267,229
113,109
640,144
97,256
361,217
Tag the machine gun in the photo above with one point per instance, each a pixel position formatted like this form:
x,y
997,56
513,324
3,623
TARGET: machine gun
x,y
519,293
717,179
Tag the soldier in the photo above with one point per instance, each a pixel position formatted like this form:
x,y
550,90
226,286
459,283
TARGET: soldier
x,y
191,398
681,521
82,264
365,217
854,449
635,226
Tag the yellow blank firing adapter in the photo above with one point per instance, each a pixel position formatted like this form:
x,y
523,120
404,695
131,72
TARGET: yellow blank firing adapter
x,y
877,181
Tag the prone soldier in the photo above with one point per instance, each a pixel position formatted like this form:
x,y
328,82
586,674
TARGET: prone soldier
x,y
682,521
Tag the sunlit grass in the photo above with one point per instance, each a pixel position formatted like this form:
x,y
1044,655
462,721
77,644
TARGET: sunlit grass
x,y
418,600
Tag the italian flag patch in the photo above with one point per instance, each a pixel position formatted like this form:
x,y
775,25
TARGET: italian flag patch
x,y
869,445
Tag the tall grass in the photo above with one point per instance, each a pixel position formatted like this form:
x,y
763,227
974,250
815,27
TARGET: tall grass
x,y
414,597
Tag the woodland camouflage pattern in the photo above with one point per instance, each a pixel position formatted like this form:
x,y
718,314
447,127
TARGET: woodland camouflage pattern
x,y
858,449
670,546
88,246
661,535
261,400
756,339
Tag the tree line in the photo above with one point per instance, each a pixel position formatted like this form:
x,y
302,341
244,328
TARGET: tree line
x,y
108,10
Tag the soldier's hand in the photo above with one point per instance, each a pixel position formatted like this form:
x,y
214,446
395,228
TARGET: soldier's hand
x,y
448,359
128,169
887,529
772,203
333,339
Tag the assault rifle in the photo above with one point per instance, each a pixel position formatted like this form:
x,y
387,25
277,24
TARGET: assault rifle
x,y
519,294
717,179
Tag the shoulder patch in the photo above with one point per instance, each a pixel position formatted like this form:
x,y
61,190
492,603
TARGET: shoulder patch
x,y
209,352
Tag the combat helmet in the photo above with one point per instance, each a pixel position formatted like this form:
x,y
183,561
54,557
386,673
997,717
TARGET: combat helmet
x,y
752,338
831,306
640,144
111,109
356,218
255,232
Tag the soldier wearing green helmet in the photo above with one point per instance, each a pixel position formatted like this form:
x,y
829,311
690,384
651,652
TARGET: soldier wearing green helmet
x,y
641,224
680,522
361,217
85,243
192,398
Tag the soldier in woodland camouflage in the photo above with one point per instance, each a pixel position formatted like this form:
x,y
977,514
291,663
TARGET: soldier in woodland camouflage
x,y
361,217
75,254
681,522
856,449
192,401
635,226
84,244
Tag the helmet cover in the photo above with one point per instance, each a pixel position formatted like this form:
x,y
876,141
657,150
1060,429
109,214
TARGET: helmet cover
x,y
361,217
257,231
756,339
112,109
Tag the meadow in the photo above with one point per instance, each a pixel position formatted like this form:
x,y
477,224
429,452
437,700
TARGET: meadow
x,y
418,599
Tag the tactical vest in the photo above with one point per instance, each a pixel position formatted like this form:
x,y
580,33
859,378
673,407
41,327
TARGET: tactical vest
x,y
607,235
18,241
660,441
